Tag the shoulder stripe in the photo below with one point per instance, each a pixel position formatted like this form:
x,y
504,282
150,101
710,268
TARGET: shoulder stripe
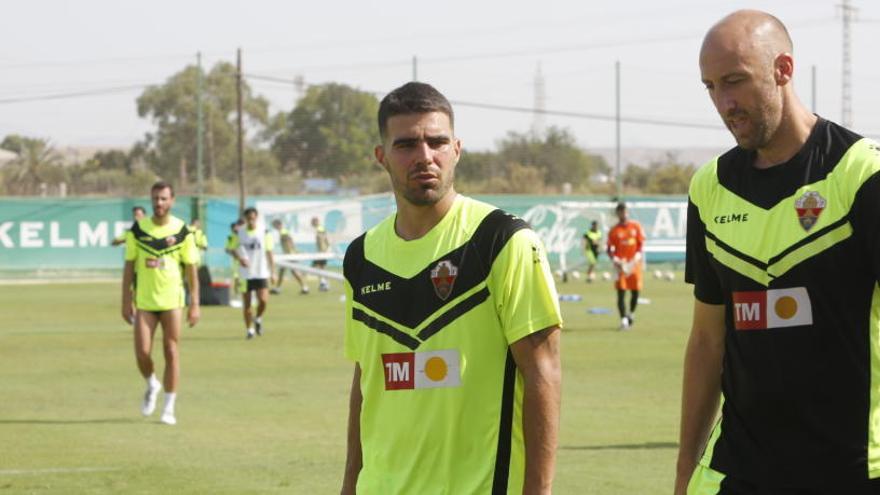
x,y
156,246
781,263
808,240
459,309
413,300
384,328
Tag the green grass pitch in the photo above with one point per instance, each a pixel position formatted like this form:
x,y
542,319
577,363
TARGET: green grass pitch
x,y
268,415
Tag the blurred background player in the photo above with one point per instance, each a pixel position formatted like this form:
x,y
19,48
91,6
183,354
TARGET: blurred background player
x,y
162,248
137,213
199,236
287,247
231,240
592,239
625,242
252,247
322,244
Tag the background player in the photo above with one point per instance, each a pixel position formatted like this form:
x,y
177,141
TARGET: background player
x,y
253,250
162,248
287,247
137,213
625,242
592,240
229,247
322,244
199,236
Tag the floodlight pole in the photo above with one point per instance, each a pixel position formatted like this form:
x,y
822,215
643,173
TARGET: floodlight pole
x,y
199,134
617,130
241,176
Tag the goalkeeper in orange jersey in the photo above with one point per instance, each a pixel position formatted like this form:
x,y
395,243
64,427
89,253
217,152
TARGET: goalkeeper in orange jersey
x,y
625,243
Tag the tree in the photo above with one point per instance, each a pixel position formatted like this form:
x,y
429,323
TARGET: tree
x,y
671,178
556,153
170,150
14,143
665,176
478,166
636,177
330,133
113,160
37,165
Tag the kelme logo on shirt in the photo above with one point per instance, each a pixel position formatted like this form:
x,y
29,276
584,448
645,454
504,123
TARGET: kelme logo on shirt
x,y
443,277
430,369
808,208
774,308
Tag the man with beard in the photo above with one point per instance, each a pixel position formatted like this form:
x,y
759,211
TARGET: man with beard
x,y
160,248
784,254
453,322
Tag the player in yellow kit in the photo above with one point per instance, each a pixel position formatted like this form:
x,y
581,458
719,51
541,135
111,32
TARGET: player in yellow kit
x,y
161,249
452,320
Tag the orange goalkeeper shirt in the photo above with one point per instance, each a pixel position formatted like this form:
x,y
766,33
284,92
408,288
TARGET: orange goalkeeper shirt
x,y
626,239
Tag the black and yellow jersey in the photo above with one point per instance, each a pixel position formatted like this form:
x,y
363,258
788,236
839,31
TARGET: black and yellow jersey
x,y
159,253
792,252
430,322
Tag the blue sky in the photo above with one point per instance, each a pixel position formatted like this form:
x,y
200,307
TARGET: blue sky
x,y
483,52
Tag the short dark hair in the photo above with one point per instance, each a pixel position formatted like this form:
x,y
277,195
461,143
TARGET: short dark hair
x,y
139,209
413,97
620,206
158,186
249,210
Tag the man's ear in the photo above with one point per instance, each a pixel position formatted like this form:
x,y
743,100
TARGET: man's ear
x,y
783,68
379,153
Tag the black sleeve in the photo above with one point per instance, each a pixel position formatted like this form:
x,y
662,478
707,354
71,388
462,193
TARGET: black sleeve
x,y
697,268
865,218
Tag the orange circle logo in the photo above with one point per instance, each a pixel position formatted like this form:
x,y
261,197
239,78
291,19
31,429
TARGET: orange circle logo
x,y
786,307
436,369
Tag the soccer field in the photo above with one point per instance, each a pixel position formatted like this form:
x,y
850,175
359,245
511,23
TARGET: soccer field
x,y
269,415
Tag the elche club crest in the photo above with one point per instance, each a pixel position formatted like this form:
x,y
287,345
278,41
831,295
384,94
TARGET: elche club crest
x,y
808,208
443,277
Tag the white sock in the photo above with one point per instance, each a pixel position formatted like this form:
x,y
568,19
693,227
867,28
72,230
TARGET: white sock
x,y
259,319
170,397
153,382
250,331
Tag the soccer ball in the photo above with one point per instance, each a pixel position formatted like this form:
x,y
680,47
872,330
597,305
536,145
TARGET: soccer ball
x,y
576,275
658,274
606,276
670,276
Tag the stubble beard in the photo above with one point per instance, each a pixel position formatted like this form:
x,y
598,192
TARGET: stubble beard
x,y
764,122
428,196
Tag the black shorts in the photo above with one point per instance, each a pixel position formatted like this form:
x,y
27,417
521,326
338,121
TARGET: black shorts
x,y
256,284
319,263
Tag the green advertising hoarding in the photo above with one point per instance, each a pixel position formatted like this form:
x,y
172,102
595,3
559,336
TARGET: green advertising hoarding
x,y
76,234
64,234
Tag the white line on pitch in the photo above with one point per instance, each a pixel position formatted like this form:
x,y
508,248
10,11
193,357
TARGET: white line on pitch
x,y
4,472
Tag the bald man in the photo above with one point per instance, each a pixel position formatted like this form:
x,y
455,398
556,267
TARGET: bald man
x,y
783,250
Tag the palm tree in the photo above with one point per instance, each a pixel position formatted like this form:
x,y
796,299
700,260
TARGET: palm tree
x,y
36,164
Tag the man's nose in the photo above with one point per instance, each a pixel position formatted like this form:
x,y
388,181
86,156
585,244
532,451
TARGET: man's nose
x,y
424,153
726,103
